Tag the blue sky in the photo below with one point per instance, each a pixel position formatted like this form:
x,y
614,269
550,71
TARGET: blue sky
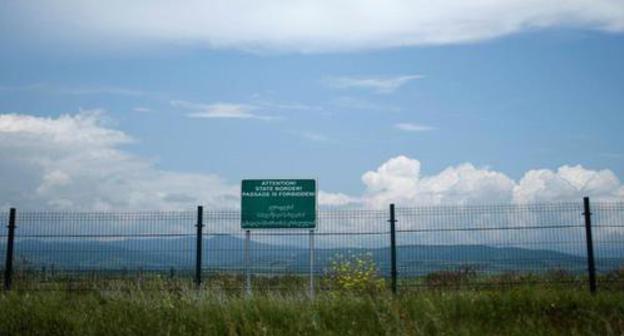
x,y
529,99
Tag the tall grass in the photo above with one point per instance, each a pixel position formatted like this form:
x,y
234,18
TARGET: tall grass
x,y
519,311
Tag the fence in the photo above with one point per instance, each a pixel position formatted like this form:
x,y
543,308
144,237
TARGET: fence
x,y
423,247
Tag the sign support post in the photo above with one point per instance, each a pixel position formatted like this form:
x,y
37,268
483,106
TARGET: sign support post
x,y
247,263
311,290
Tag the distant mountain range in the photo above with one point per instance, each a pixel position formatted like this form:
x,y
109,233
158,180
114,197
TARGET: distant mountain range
x,y
225,253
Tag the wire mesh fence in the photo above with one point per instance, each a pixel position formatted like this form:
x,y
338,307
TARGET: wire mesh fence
x,y
93,246
436,247
491,245
608,241
282,259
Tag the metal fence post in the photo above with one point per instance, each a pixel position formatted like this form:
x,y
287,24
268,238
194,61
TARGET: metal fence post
x,y
591,266
198,256
8,264
393,265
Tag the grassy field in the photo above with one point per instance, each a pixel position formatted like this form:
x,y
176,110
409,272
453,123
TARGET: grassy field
x,y
518,311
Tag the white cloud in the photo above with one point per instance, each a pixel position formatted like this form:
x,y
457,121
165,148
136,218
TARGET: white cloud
x,y
396,173
60,131
399,181
411,127
219,110
306,25
336,199
376,84
568,184
74,161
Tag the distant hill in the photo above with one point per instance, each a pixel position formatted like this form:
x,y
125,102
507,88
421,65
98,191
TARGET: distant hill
x,y
225,253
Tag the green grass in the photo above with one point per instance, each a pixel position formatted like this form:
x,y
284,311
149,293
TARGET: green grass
x,y
518,311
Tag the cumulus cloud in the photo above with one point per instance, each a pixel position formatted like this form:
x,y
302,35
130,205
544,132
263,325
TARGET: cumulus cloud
x,y
336,199
306,25
568,183
376,84
75,162
399,181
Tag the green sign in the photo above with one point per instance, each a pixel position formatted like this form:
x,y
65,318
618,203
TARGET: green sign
x,y
278,203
